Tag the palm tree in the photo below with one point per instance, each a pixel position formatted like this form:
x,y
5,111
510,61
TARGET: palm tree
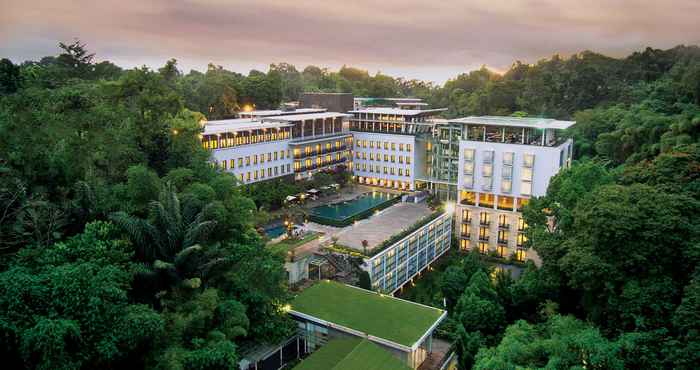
x,y
168,230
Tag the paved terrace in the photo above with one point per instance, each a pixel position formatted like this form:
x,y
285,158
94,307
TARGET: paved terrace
x,y
382,226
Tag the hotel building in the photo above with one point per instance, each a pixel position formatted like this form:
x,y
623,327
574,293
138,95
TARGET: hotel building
x,y
390,145
501,163
257,149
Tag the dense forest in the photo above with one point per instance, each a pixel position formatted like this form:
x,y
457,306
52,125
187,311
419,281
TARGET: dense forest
x,y
122,247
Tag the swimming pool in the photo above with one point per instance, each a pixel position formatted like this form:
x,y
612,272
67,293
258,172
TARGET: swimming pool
x,y
274,232
344,213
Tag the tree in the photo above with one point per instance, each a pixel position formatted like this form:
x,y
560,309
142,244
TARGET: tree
x,y
365,282
167,231
562,343
10,77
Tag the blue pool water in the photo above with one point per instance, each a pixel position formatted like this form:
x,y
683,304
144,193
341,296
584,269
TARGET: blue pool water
x,y
345,210
274,232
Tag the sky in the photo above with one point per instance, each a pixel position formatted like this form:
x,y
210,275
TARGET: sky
x,y
432,40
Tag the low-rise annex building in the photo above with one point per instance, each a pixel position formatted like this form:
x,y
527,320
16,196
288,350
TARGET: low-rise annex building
x,y
330,311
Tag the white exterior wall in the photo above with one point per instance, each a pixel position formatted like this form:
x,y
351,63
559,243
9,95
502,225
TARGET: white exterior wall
x,y
219,155
546,165
359,137
396,265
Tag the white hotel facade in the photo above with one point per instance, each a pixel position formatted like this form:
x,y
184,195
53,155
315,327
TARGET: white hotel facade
x,y
488,166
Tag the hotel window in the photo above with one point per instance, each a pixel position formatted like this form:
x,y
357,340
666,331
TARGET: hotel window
x,y
269,157
357,155
224,164
526,188
507,172
503,221
408,147
288,167
408,160
469,155
400,171
487,170
371,144
464,244
468,168
269,171
508,158
386,145
408,172
262,173
485,218
521,224
484,248
501,250
393,146
528,160
468,181
297,165
386,157
276,171
506,186
385,171
488,156
392,171
247,176
520,255
364,155
247,160
255,159
359,143
255,175
240,162
231,163
371,156
393,158
484,233
401,147
503,236
466,215
527,174
521,240
401,159
275,155
241,176
465,230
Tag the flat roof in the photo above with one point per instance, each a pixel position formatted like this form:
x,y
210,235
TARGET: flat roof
x,y
541,123
303,117
398,111
238,124
351,354
391,99
279,112
371,313
382,226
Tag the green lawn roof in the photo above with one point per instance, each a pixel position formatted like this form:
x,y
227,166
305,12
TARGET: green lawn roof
x,y
382,316
351,354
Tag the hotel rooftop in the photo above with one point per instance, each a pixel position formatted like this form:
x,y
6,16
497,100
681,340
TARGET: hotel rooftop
x,y
239,124
539,123
279,112
398,111
377,317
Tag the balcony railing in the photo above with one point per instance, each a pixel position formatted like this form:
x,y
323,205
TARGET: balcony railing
x,y
314,153
504,226
484,223
502,241
466,220
483,238
315,166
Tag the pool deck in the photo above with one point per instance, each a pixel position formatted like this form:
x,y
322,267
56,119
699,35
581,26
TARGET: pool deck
x,y
382,226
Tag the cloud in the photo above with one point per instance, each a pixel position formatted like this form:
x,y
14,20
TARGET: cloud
x,y
431,40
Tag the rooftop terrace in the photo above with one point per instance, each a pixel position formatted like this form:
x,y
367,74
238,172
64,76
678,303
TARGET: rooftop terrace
x,y
279,112
392,319
383,225
399,112
351,354
540,123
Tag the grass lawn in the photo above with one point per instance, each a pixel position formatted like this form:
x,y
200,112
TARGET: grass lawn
x,y
383,316
351,354
289,244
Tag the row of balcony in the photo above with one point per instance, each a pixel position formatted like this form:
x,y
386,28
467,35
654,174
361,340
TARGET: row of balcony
x,y
314,153
322,165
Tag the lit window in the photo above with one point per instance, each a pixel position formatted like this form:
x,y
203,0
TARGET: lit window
x,y
526,188
506,186
469,155
528,160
